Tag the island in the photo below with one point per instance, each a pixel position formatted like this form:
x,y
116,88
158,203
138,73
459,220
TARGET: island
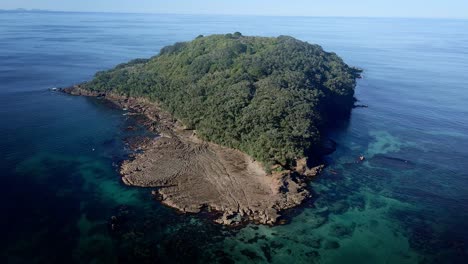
x,y
238,119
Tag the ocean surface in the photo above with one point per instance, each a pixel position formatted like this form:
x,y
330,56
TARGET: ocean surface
x,y
59,154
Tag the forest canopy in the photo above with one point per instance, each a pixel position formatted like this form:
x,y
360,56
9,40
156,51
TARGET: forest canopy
x,y
267,96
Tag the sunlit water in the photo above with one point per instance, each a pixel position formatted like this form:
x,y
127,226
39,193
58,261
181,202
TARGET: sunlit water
x,y
407,203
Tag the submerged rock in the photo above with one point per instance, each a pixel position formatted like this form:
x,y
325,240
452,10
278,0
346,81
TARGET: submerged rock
x,y
328,146
385,161
341,231
332,244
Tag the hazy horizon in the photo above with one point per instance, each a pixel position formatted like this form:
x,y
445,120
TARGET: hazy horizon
x,y
21,9
451,9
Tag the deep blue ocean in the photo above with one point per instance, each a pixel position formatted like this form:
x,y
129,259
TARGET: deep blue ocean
x,y
59,154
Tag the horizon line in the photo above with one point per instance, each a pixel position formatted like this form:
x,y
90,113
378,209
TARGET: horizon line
x,y
25,10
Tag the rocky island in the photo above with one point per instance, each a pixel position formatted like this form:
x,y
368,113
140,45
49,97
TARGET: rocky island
x,y
237,118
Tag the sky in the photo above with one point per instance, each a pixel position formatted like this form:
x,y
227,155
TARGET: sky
x,y
346,8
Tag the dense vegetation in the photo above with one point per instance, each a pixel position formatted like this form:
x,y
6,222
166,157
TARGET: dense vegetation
x,y
268,97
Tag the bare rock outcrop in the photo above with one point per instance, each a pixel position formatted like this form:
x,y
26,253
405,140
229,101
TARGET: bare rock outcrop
x,y
190,175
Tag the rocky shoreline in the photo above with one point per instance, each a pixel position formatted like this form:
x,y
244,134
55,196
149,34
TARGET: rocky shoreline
x,y
192,175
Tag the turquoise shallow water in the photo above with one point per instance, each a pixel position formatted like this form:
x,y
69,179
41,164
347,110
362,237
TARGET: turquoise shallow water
x,y
407,203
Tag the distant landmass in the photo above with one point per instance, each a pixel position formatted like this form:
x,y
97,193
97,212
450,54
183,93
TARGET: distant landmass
x,y
24,10
238,117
